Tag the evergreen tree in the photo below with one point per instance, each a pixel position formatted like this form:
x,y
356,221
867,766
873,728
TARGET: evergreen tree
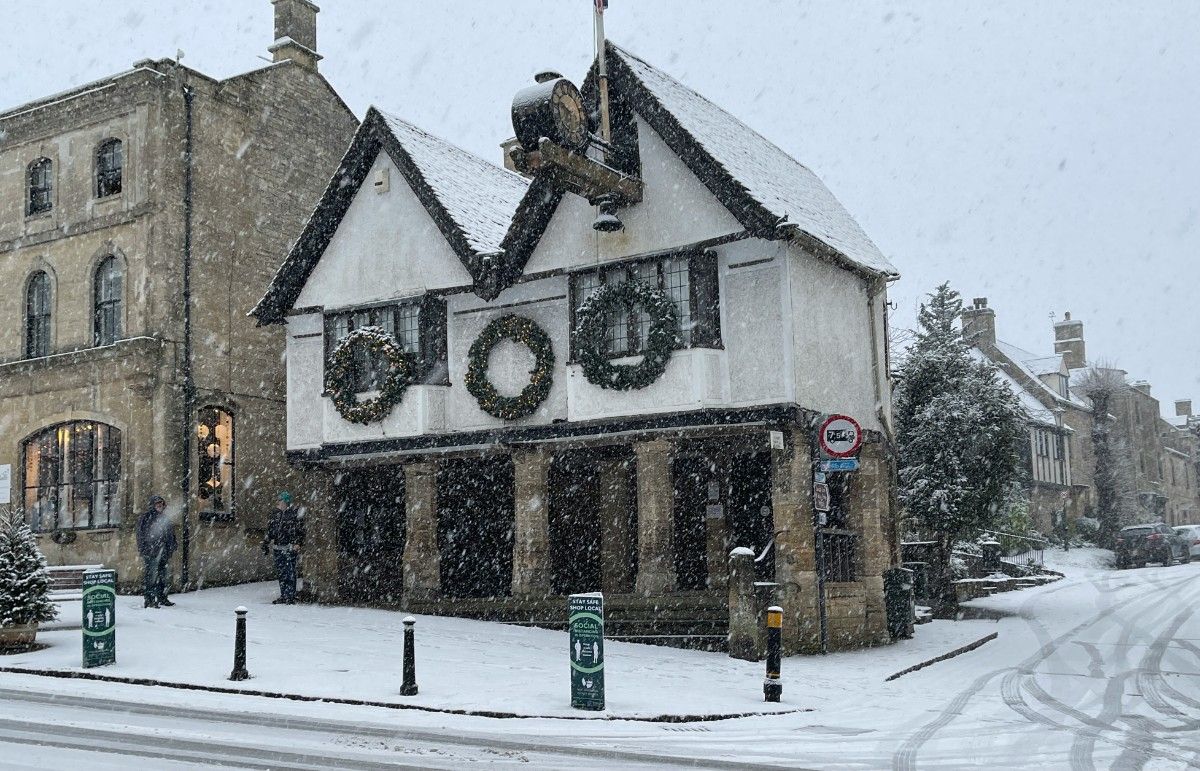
x,y
24,582
1115,481
960,434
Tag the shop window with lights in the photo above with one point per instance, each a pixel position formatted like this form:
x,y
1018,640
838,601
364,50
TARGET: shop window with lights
x,y
214,482
72,477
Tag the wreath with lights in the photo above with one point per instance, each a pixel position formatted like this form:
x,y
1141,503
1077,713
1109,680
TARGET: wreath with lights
x,y
519,330
340,376
591,331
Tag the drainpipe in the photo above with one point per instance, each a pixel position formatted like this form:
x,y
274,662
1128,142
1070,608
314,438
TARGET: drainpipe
x,y
189,387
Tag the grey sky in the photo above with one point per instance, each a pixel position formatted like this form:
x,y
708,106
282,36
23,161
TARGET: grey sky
x,y
1045,155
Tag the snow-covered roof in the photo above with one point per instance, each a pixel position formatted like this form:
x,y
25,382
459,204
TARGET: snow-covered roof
x,y
773,179
1034,366
1034,409
479,196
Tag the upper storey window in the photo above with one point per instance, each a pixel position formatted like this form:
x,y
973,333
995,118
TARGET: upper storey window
x,y
37,316
41,187
417,326
109,167
109,286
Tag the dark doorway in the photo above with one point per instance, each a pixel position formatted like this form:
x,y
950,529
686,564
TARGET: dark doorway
x,y
576,513
371,534
475,526
695,482
748,508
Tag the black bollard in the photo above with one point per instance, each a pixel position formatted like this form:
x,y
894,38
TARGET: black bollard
x,y
239,648
409,688
772,686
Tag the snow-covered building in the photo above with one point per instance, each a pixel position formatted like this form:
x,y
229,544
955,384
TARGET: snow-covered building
x,y
511,400
109,390
1060,465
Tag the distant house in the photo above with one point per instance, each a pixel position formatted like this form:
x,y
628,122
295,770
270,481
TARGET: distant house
x,y
108,193
528,457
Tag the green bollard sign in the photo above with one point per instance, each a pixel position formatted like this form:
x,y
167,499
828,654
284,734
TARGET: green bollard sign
x,y
99,618
586,614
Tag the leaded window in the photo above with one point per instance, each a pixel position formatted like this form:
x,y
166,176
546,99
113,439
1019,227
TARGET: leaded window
x,y
418,327
37,316
109,168
214,445
109,286
690,280
41,187
73,477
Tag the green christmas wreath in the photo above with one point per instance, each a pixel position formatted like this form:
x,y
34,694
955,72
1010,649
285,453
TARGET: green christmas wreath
x,y
525,332
592,326
340,376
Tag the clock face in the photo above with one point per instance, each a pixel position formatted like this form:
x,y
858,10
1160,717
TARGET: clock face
x,y
569,116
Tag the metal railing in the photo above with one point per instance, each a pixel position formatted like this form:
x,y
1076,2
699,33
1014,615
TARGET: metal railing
x,y
1022,549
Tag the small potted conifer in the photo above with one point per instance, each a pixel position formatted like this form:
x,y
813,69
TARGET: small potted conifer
x,y
24,583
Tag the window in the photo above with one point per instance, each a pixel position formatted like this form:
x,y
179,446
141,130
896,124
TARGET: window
x,y
109,164
41,187
418,327
838,542
108,292
73,477
37,316
689,280
214,445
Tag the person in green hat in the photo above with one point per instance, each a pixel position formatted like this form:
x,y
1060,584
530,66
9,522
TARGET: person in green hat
x,y
285,537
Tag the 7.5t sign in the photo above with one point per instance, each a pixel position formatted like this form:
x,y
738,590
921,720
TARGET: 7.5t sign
x,y
839,436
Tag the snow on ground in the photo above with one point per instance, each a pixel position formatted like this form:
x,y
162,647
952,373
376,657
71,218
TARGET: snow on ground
x,y
356,653
1079,561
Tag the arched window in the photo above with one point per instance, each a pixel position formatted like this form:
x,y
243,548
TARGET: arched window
x,y
109,165
41,186
73,476
108,292
37,316
214,445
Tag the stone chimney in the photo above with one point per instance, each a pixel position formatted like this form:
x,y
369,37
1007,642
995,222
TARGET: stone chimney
x,y
1142,385
1068,340
1183,408
979,323
296,33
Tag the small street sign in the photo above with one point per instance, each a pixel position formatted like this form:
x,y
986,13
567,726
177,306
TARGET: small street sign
x,y
842,464
839,436
99,618
586,622
821,496
776,440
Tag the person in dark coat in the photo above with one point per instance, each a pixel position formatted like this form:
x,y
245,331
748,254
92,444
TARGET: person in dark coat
x,y
285,537
156,544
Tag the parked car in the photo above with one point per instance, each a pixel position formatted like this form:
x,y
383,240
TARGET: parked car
x,y
1139,544
1191,534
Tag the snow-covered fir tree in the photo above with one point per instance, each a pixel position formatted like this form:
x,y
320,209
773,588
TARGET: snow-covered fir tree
x,y
960,433
24,582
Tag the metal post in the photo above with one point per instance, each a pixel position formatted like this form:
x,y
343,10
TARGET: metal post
x,y
239,648
409,688
772,686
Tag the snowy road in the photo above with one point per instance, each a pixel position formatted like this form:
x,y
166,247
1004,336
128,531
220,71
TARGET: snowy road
x,y
1100,670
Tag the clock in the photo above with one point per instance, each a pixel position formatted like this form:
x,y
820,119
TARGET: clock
x,y
552,109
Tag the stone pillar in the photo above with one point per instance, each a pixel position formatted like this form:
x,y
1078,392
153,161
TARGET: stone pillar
x,y
616,537
320,556
871,514
531,525
422,560
656,520
745,636
795,558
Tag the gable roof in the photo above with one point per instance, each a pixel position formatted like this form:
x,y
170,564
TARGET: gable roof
x,y
473,203
758,182
1035,410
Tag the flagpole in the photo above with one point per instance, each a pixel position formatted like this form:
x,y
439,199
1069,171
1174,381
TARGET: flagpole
x,y
601,70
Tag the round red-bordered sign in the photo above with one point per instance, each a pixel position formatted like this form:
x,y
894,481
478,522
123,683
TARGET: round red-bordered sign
x,y
840,436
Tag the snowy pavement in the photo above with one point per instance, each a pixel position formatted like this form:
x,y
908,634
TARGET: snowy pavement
x,y
1100,670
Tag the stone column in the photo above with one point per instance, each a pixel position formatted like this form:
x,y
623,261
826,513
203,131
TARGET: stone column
x,y
795,558
871,514
422,560
616,537
320,556
531,526
745,637
656,521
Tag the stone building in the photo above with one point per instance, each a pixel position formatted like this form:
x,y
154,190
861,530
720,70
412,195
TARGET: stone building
x,y
1060,466
507,467
117,198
